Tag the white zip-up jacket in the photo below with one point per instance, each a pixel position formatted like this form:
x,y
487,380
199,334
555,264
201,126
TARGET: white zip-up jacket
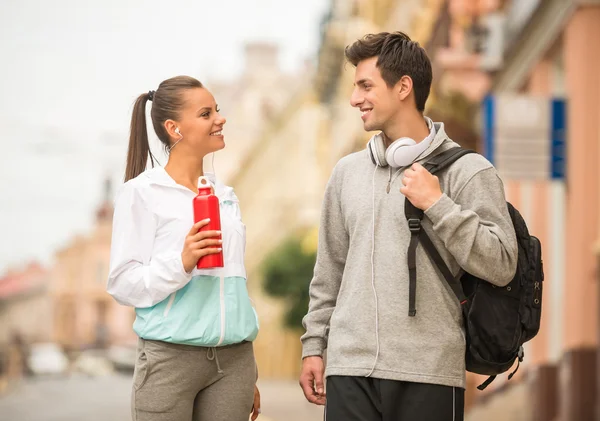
x,y
153,215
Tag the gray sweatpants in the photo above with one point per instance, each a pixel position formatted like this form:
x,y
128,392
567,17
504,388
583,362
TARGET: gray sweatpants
x,y
188,383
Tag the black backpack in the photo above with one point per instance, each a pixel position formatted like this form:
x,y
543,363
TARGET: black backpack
x,y
498,320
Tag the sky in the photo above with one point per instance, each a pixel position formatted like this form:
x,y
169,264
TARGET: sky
x,y
70,71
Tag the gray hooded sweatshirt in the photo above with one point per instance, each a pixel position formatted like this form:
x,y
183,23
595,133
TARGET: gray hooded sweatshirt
x,y
359,293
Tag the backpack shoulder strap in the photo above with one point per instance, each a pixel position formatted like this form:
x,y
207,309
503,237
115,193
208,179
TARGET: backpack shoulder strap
x,y
414,216
444,159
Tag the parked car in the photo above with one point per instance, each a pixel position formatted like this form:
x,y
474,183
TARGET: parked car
x,y
47,359
122,357
93,362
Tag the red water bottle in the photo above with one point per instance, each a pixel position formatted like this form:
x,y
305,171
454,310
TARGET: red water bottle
x,y
206,205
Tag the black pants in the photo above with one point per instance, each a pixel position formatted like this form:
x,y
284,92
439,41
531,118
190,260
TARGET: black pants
x,y
368,399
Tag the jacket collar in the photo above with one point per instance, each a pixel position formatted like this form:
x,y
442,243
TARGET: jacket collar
x,y
159,176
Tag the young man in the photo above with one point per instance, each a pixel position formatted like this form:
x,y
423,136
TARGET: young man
x,y
382,363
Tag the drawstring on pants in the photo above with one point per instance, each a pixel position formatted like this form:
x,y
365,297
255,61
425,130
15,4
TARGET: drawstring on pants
x,y
213,356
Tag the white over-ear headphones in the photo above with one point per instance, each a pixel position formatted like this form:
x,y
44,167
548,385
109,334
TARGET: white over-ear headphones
x,y
401,152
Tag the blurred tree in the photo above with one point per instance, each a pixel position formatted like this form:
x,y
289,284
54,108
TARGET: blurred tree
x,y
287,273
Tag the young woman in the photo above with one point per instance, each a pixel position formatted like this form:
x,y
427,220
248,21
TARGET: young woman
x,y
195,359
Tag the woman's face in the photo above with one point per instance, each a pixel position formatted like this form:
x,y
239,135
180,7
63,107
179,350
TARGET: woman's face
x,y
200,123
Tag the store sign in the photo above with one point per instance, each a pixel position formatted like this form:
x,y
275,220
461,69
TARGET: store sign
x,y
524,136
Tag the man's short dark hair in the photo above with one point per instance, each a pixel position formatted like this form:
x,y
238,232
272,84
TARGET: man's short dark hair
x,y
397,56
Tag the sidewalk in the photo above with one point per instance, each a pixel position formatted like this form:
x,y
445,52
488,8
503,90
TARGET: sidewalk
x,y
284,401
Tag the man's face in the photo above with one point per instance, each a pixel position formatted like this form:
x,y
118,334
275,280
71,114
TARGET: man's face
x,y
376,101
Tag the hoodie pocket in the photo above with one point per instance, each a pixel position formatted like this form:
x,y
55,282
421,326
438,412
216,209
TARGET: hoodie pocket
x,y
142,366
242,319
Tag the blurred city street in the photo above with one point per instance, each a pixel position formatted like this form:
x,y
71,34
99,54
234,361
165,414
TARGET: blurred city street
x,y
77,397
514,80
106,398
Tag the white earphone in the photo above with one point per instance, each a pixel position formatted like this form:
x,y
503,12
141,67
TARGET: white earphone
x,y
178,140
401,152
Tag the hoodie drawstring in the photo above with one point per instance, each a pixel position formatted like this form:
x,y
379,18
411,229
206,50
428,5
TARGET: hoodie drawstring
x,y
213,356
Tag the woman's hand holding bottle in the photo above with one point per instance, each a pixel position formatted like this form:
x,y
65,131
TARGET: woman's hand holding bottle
x,y
199,244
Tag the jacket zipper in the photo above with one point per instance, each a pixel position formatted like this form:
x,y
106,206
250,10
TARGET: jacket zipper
x,y
169,304
222,300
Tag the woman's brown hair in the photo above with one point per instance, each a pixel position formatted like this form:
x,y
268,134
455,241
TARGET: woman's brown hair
x,y
167,102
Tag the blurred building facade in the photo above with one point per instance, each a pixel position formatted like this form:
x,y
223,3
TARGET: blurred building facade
x,y
264,104
24,304
25,309
249,103
85,315
534,52
278,199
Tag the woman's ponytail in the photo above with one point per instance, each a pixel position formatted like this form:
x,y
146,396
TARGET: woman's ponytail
x,y
139,147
